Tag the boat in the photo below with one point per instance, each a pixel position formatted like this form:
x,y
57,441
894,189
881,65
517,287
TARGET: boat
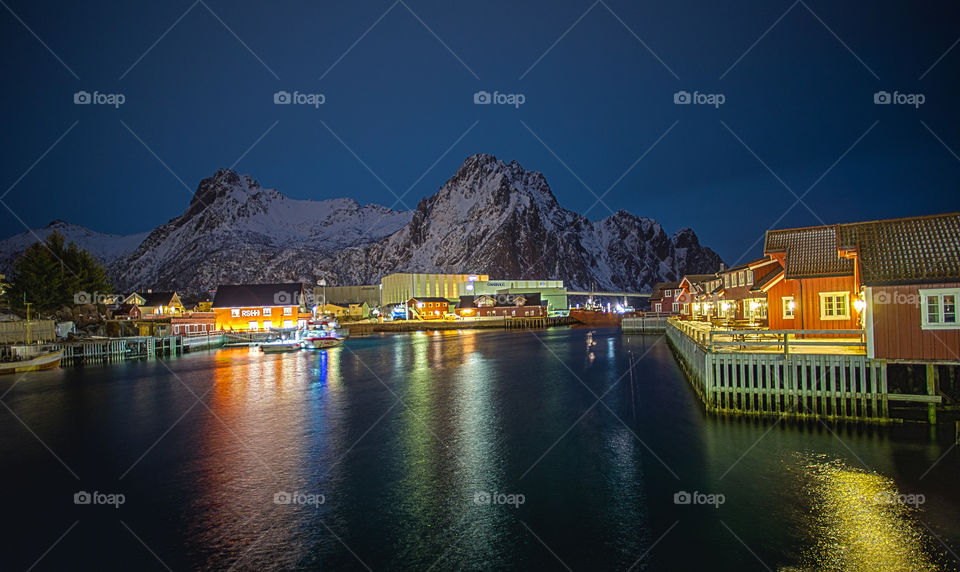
x,y
38,363
593,317
322,334
279,347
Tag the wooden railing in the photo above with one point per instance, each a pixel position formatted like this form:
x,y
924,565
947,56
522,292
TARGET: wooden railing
x,y
717,340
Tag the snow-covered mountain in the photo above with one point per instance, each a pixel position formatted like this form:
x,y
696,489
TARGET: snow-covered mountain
x,y
491,217
499,219
107,247
234,230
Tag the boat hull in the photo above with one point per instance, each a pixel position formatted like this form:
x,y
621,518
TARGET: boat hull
x,y
279,348
321,343
39,363
595,318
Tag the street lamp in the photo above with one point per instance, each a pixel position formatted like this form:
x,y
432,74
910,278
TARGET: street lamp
x,y
323,283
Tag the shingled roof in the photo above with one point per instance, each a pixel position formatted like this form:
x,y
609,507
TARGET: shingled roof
x,y
253,295
810,252
906,250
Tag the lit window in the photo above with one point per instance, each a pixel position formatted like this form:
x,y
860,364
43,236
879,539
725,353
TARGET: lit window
x,y
268,325
266,311
741,278
234,312
288,311
788,307
939,310
750,277
676,307
253,326
834,305
656,307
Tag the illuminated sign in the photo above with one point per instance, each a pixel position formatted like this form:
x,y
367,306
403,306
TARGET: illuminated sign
x,y
249,313
497,284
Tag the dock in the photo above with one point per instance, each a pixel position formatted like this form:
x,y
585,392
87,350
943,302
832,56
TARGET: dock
x,y
789,374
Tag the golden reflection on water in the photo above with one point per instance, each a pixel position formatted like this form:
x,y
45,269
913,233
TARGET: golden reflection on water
x,y
858,523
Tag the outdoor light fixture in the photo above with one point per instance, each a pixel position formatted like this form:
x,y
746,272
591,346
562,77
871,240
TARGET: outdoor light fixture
x,y
860,304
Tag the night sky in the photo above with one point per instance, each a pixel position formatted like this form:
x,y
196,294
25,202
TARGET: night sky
x,y
598,81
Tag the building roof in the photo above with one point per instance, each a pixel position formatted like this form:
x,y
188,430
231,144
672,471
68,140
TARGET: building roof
x,y
809,252
428,299
346,304
250,295
767,278
465,302
156,298
905,250
697,278
659,287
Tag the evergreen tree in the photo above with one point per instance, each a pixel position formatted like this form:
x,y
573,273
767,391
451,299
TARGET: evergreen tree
x,y
49,274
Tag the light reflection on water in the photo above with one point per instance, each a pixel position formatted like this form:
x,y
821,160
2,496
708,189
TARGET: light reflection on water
x,y
400,432
860,521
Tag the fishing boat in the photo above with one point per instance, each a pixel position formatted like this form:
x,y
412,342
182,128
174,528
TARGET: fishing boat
x,y
321,334
41,362
280,346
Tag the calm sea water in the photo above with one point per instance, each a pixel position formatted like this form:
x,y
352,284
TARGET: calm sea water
x,y
455,450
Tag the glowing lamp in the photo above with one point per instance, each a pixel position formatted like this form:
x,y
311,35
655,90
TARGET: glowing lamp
x,y
859,304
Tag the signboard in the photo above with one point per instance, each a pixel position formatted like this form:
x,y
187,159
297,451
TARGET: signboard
x,y
249,313
500,284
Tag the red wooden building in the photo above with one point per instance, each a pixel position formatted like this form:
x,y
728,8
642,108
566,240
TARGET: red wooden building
x,y
663,299
898,279
910,271
817,288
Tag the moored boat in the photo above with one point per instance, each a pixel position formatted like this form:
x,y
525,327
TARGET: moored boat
x,y
279,347
321,335
41,362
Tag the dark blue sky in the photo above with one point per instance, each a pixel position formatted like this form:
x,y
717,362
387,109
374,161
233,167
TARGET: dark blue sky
x,y
795,102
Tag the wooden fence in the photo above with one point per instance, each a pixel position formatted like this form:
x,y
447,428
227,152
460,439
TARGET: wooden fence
x,y
643,324
808,385
16,332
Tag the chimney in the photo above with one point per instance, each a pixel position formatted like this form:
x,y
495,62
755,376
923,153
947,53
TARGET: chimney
x,y
722,267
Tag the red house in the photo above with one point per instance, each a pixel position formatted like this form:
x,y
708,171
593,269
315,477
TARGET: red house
x,y
818,286
910,272
663,300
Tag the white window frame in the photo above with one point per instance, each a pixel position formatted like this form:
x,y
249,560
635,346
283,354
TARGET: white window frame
x,y
788,314
749,277
268,324
676,307
253,326
234,312
741,280
846,305
657,307
939,293
686,308
288,310
266,311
